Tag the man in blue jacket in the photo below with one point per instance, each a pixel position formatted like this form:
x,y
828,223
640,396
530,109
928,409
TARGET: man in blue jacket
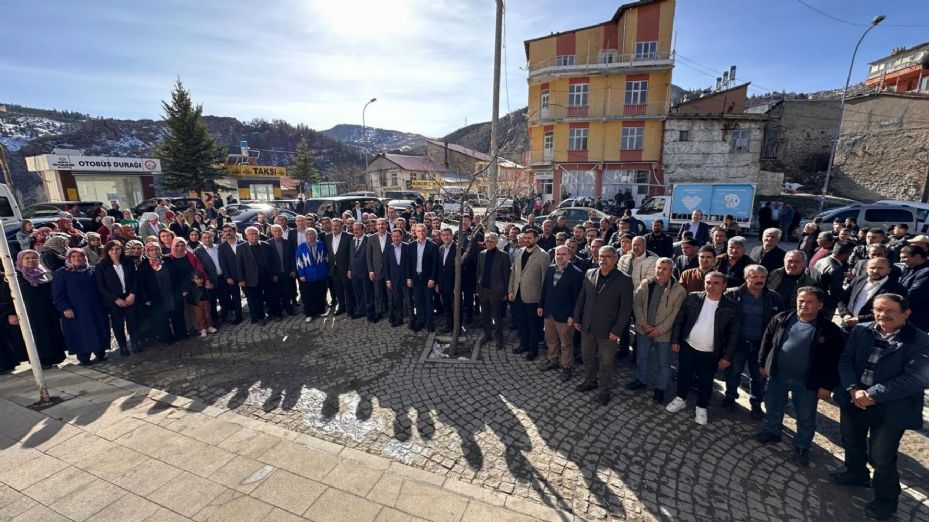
x,y
883,375
560,289
915,278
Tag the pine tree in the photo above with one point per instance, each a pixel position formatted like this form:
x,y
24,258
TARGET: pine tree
x,y
304,165
188,153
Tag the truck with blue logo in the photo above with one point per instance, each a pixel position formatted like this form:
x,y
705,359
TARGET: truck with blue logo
x,y
714,200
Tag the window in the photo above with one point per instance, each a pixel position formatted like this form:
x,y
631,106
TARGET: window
x,y
577,95
618,181
632,138
579,182
543,99
577,139
646,50
683,135
739,140
637,92
548,140
608,56
769,147
564,60
888,215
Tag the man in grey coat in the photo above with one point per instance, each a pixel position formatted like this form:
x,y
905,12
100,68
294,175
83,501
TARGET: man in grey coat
x,y
529,267
601,313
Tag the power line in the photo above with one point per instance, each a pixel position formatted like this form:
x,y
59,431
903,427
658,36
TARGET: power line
x,y
849,22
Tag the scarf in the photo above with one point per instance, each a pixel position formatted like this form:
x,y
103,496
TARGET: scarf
x,y
33,276
75,268
64,225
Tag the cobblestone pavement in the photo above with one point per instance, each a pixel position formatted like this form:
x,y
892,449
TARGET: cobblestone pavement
x,y
501,424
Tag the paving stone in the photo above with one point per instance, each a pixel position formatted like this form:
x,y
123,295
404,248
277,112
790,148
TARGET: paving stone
x,y
147,439
242,474
279,515
166,515
13,503
233,506
187,494
430,502
59,485
14,456
480,512
288,491
40,513
128,507
88,499
300,459
148,476
392,515
353,478
386,490
33,471
192,455
338,505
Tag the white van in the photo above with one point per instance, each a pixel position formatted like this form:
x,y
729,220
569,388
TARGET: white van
x,y
873,215
922,213
9,209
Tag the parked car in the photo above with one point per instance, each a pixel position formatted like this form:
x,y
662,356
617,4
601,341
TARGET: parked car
x,y
360,193
249,217
149,204
874,215
403,194
339,204
10,229
55,208
922,213
574,215
401,204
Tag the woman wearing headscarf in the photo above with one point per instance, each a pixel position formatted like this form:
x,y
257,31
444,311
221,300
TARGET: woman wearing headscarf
x,y
150,226
313,272
74,292
35,283
24,235
94,248
129,219
116,282
156,292
193,239
107,224
39,237
181,264
123,233
135,250
179,226
52,252
75,237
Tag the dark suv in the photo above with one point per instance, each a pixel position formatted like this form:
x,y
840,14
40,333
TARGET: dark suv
x,y
149,204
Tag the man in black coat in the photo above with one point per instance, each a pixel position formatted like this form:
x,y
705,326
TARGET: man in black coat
x,y
396,273
445,282
227,263
829,274
285,268
657,241
560,290
493,278
856,303
422,269
338,244
362,286
915,278
732,264
688,258
255,261
697,227
769,254
208,254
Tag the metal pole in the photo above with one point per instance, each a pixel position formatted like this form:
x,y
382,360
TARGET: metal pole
x,y
364,131
835,139
24,325
495,118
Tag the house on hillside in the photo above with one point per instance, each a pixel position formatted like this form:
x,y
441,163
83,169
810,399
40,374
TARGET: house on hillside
x,y
403,172
798,135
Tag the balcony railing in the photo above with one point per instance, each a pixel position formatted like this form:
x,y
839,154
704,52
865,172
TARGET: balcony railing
x,y
606,111
594,64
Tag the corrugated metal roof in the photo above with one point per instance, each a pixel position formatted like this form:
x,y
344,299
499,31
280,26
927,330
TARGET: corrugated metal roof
x,y
415,163
463,150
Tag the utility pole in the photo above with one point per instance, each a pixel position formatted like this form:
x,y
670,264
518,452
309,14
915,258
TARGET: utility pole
x,y
8,177
495,118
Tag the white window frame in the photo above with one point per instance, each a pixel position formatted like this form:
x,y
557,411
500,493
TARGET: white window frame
x,y
608,56
740,140
564,60
637,92
633,138
548,140
577,94
646,50
544,98
577,138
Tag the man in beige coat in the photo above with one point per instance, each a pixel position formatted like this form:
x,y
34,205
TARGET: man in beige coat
x,y
654,306
529,266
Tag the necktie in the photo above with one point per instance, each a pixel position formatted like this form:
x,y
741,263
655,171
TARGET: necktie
x,y
357,244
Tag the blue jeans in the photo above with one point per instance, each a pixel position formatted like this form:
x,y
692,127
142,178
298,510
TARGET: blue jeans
x,y
804,402
746,353
649,352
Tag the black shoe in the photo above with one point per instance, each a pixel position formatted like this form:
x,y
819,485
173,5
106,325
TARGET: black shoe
x,y
531,356
757,412
658,396
88,362
101,357
802,457
499,344
844,478
552,365
566,374
603,398
238,320
766,437
124,351
485,339
520,349
880,510
415,327
339,312
291,311
585,387
430,327
729,403
635,385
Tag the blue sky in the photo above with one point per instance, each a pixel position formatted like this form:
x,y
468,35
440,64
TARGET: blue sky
x,y
429,62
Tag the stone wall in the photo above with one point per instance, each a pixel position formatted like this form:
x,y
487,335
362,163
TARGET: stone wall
x,y
798,136
706,155
883,149
457,162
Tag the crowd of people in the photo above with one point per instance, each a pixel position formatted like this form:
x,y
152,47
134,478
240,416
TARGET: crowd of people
x,y
592,294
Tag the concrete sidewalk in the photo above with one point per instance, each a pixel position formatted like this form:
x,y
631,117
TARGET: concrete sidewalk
x,y
115,450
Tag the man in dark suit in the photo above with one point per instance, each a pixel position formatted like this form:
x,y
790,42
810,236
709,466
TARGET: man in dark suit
x,y
855,305
493,278
700,230
601,313
285,268
423,267
768,254
396,272
560,289
657,242
255,261
915,279
337,250
377,244
688,258
445,283
208,254
227,263
293,237
358,274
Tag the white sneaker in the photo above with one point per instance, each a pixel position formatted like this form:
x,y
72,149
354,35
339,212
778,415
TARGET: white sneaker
x,y
211,330
202,333
676,405
700,417
308,319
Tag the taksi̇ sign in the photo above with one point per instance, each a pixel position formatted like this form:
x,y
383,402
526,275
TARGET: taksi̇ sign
x,y
258,171
93,163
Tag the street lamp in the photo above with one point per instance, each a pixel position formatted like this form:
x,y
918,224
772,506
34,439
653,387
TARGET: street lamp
x,y
835,140
364,131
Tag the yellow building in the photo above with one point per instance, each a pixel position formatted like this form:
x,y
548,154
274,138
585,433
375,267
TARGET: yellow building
x,y
598,98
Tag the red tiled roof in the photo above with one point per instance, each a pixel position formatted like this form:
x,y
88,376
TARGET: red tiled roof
x,y
415,163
